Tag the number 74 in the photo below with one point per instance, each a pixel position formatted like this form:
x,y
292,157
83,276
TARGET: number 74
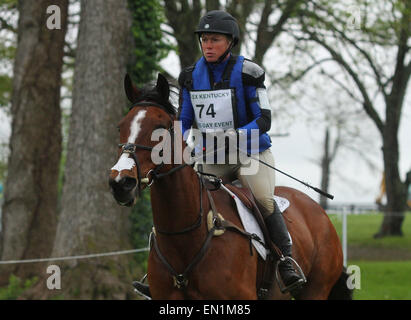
x,y
210,110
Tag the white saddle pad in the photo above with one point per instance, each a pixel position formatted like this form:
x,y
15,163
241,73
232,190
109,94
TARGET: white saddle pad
x,y
250,223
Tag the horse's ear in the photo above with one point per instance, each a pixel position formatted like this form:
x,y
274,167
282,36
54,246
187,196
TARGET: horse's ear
x,y
131,91
162,87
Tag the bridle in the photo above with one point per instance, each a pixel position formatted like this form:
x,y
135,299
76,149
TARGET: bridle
x,y
131,149
155,174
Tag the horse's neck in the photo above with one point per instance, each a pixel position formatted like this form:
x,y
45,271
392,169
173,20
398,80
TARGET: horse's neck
x,y
175,200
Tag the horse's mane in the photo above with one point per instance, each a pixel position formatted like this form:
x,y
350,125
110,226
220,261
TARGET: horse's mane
x,y
149,93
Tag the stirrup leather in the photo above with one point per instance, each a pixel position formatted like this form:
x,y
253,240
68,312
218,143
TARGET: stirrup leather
x,y
296,284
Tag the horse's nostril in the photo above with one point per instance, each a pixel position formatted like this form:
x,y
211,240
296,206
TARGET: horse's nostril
x,y
124,184
128,183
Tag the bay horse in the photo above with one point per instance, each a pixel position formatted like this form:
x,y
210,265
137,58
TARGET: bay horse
x,y
187,262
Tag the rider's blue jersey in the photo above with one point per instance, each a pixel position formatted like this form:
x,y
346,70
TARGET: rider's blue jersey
x,y
247,80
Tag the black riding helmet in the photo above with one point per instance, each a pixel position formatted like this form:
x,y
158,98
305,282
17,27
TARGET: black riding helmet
x,y
218,21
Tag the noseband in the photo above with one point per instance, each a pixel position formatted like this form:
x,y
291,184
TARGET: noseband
x,y
131,149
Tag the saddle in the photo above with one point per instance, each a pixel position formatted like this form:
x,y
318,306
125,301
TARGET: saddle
x,y
246,196
266,269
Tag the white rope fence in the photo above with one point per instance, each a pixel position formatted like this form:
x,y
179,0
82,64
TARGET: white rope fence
x,y
85,256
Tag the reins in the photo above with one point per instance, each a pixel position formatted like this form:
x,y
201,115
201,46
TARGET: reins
x,y
193,226
181,279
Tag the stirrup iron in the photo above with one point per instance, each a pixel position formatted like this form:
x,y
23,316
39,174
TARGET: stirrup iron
x,y
136,285
298,269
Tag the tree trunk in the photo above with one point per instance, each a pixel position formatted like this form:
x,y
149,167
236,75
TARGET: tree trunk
x,y
395,189
184,21
91,221
30,202
325,169
187,42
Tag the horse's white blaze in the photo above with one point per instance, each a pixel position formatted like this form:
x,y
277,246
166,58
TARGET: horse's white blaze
x,y
125,162
136,126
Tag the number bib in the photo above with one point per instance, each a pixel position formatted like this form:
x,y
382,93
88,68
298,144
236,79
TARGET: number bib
x,y
214,109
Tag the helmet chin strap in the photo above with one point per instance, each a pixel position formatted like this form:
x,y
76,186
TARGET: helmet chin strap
x,y
222,58
224,55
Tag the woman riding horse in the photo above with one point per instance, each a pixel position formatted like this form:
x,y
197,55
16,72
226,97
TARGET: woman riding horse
x,y
240,83
187,260
219,71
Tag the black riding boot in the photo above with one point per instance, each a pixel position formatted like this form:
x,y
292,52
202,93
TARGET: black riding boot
x,y
142,289
280,236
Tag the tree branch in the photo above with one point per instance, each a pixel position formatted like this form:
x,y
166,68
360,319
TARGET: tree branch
x,y
343,36
5,25
367,103
265,37
402,72
299,76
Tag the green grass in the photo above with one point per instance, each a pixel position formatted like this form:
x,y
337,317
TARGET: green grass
x,y
382,280
361,228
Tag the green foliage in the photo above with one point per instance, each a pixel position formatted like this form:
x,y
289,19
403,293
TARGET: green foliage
x,y
150,45
3,166
8,18
16,287
7,53
5,90
142,222
7,50
65,122
379,22
9,3
62,166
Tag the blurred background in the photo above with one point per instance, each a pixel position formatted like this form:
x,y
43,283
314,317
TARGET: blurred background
x,y
337,74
